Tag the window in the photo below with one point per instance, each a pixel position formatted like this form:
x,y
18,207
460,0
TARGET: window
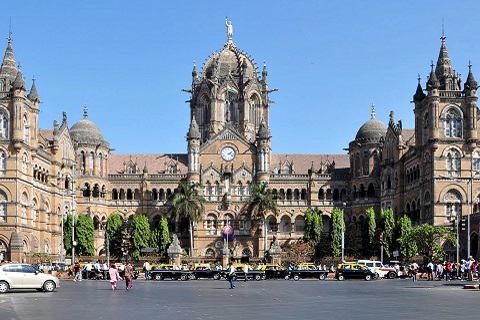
x,y
453,124
476,161
3,125
3,207
26,130
453,162
3,160
211,222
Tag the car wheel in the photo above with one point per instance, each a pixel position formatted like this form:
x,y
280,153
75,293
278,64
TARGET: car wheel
x,y
157,277
49,286
258,277
296,277
376,276
216,276
193,276
368,277
341,278
391,275
287,277
3,287
322,276
183,277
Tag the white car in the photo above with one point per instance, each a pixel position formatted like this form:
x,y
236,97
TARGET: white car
x,y
25,276
379,269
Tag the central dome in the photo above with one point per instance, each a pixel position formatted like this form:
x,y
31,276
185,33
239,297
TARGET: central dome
x,y
85,131
229,61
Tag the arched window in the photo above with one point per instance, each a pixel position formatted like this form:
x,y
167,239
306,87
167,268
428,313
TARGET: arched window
x,y
453,162
3,206
4,124
26,129
3,162
453,124
210,253
90,161
211,223
243,222
227,219
246,252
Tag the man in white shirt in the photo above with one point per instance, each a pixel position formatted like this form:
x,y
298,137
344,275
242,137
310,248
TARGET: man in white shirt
x,y
245,271
146,269
88,269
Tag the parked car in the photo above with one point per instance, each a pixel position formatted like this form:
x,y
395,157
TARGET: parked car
x,y
354,271
379,269
307,271
240,274
204,272
165,271
273,271
25,276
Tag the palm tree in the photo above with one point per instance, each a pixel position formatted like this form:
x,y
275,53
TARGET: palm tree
x,y
261,201
187,203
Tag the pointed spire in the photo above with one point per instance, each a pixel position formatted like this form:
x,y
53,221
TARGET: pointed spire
x,y
432,82
373,110
263,130
419,94
193,132
470,84
8,69
85,111
19,82
264,72
444,69
33,95
194,73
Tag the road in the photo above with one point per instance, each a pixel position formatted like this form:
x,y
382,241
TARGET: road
x,y
279,299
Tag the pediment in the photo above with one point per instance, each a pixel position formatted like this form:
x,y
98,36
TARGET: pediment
x,y
228,133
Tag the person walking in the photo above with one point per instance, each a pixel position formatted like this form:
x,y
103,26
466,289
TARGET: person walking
x,y
430,271
231,275
146,270
128,276
414,267
77,271
114,276
245,271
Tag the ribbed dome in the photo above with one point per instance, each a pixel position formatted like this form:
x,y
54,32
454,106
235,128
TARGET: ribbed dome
x,y
372,130
85,131
229,60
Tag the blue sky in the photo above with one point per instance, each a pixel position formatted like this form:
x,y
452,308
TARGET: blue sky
x,y
330,60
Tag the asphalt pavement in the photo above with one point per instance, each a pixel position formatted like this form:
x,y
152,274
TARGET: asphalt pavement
x,y
269,299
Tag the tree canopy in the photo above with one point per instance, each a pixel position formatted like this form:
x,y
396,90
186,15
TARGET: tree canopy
x,y
261,201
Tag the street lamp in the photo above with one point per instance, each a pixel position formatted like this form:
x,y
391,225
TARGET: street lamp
x,y
343,232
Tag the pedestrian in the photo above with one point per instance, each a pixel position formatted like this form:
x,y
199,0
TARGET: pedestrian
x,y
430,271
231,275
128,276
245,271
77,271
114,276
414,267
146,270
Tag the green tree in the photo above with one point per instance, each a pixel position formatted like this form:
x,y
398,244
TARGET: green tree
x,y
67,234
261,201
370,236
160,237
313,229
114,231
387,227
429,240
338,225
140,234
407,247
189,204
85,236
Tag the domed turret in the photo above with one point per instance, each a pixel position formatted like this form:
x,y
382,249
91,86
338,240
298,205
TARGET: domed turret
x,y
85,131
372,130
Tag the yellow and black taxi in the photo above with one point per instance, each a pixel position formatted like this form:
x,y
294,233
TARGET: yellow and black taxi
x,y
354,271
204,271
307,271
169,271
273,271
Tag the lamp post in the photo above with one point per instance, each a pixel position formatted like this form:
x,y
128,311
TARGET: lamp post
x,y
343,232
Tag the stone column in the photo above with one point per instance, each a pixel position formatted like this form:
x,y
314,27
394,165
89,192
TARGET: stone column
x,y
16,247
275,252
175,251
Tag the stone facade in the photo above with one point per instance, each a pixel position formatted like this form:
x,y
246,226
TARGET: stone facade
x,y
428,173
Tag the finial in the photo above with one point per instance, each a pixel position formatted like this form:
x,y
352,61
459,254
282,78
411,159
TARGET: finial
x,y
10,31
469,66
19,66
64,114
85,111
418,78
194,64
373,110
33,79
443,29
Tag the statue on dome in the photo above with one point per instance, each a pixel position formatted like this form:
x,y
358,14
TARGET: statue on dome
x,y
229,26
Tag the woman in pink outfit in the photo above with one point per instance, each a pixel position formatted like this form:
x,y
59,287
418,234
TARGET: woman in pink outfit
x,y
114,276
